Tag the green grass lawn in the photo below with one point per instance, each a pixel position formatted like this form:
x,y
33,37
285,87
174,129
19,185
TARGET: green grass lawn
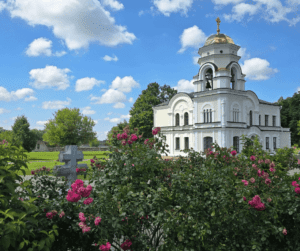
x,y
52,157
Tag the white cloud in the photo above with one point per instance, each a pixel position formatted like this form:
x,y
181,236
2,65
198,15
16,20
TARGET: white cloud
x,y
2,110
168,6
108,58
240,10
195,60
226,2
141,12
42,46
113,4
76,22
242,53
271,10
192,37
257,69
16,95
86,84
115,92
184,86
58,105
50,76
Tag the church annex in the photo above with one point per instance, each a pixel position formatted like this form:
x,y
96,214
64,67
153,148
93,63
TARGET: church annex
x,y
219,110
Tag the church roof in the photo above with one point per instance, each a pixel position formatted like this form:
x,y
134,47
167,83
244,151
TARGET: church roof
x,y
218,39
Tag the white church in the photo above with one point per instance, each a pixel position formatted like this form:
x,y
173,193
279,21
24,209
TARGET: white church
x,y
219,110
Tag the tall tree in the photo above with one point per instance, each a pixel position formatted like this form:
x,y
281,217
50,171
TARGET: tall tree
x,y
69,128
23,135
290,116
142,112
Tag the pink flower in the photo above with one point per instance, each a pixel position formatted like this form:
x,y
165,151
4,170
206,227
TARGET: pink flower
x,y
244,198
88,201
233,153
106,247
284,232
245,182
97,221
126,245
269,199
252,180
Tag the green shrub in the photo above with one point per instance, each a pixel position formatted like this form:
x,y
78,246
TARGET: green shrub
x,y
15,234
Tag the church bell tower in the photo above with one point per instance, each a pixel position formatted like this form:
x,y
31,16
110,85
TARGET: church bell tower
x,y
219,67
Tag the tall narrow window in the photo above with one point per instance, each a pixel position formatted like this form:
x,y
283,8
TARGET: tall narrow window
x,y
250,118
177,119
274,120
274,143
186,118
210,116
177,144
204,117
236,143
207,116
267,142
259,120
186,143
266,120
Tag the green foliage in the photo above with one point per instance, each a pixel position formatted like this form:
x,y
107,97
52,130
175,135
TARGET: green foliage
x,y
290,116
69,128
116,129
142,112
15,232
22,136
94,143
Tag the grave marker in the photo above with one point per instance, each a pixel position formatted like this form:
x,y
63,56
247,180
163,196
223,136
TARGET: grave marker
x,y
70,156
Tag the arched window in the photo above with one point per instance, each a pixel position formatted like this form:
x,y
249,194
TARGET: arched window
x,y
177,119
204,117
186,118
250,118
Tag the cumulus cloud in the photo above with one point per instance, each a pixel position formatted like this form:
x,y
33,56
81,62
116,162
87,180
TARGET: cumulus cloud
x,y
113,4
16,95
168,6
108,58
42,46
76,22
50,76
184,86
192,37
115,93
242,53
257,69
272,11
87,84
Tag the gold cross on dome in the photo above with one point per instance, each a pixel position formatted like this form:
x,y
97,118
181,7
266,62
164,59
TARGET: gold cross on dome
x,y
218,23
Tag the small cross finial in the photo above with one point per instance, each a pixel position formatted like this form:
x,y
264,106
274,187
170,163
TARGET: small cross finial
x,y
218,23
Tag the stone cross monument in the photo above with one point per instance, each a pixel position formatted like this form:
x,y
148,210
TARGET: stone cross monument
x,y
70,156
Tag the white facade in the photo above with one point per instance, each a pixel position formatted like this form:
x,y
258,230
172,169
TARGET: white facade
x,y
222,113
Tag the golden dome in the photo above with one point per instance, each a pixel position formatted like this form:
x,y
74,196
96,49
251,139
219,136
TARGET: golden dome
x,y
218,39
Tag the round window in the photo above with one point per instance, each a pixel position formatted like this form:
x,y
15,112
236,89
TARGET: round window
x,y
221,51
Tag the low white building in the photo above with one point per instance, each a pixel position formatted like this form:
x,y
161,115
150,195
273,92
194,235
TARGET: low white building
x,y
219,110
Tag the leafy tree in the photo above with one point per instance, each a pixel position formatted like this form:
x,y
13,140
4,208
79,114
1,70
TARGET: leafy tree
x,y
142,112
22,136
94,143
69,128
290,116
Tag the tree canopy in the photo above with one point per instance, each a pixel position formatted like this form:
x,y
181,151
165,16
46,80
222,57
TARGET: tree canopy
x,y
69,128
290,116
22,135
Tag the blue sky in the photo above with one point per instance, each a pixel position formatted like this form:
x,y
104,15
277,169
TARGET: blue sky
x,y
98,55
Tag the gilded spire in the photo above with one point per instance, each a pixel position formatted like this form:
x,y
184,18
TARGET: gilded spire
x,y
218,23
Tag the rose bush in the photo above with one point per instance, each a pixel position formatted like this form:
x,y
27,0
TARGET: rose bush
x,y
173,194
